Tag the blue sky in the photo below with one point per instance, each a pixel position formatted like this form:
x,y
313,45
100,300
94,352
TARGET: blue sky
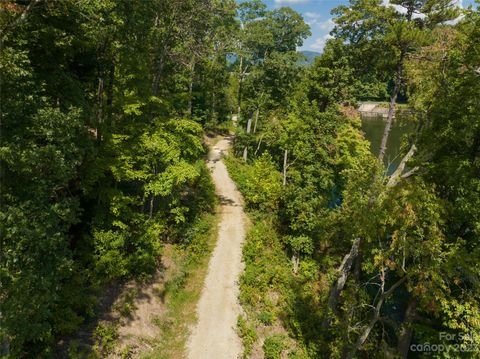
x,y
317,14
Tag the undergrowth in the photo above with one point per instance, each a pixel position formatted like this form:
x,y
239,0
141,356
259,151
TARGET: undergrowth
x,y
183,289
281,317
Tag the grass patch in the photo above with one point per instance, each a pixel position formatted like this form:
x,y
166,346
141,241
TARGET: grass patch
x,y
238,171
273,346
247,333
106,335
126,303
183,288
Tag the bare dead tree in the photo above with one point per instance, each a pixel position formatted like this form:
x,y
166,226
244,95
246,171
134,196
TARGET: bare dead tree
x,y
382,295
397,175
342,275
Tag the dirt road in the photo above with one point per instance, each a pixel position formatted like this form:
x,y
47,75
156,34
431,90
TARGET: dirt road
x,y
214,336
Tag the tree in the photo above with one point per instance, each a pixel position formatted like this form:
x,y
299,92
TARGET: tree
x,y
401,35
392,35
93,133
267,49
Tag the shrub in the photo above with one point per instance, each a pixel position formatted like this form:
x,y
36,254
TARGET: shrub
x,y
248,335
263,186
121,254
106,335
111,260
273,346
266,318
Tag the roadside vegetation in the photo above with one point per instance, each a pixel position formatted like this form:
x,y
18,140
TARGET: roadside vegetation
x,y
183,289
102,157
171,295
345,259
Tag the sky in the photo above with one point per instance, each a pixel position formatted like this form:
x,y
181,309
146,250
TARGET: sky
x,y
317,14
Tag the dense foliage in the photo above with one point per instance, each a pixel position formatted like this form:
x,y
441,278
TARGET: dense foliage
x,y
361,263
102,107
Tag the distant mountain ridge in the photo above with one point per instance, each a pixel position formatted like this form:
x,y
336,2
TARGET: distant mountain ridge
x,y
310,55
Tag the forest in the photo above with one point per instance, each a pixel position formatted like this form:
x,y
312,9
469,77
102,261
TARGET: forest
x,y
108,110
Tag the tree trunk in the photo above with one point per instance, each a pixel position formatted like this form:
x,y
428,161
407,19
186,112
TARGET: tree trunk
x,y
1,137
100,92
156,78
190,89
357,268
397,175
295,262
256,120
406,330
157,75
362,338
376,316
249,125
339,284
259,144
152,198
285,155
212,108
111,81
391,108
240,86
5,347
245,150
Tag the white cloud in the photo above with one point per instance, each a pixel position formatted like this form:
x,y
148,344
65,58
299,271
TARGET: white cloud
x,y
312,15
319,43
454,21
325,25
459,4
278,2
403,10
